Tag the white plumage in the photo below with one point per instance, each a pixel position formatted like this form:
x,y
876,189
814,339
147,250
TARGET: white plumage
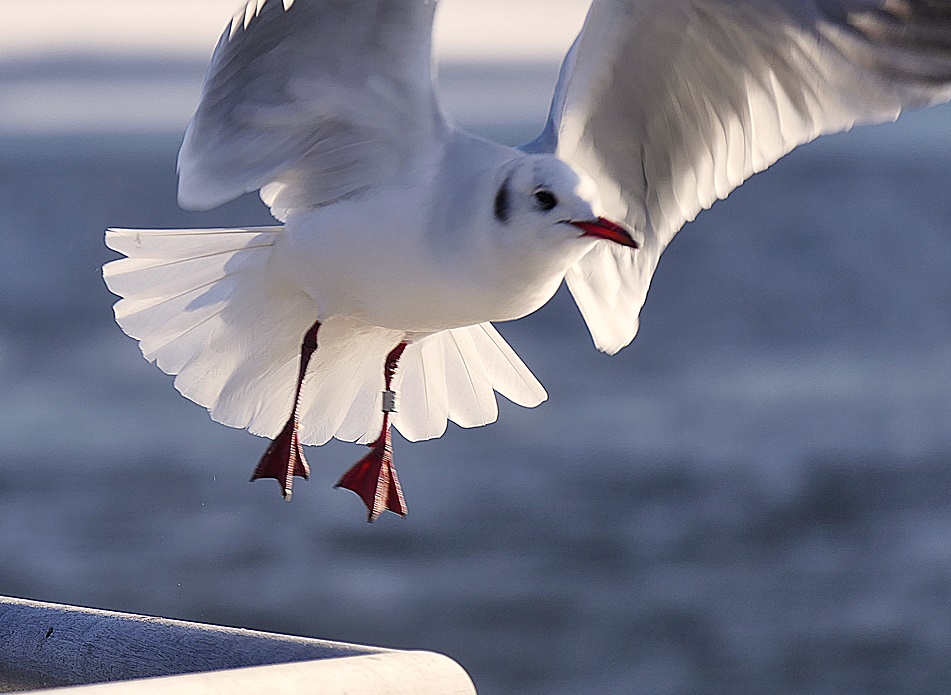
x,y
405,237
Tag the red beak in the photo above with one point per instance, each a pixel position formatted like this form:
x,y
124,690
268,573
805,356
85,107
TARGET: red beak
x,y
602,228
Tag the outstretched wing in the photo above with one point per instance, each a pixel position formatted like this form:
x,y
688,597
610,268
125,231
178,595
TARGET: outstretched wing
x,y
311,100
671,104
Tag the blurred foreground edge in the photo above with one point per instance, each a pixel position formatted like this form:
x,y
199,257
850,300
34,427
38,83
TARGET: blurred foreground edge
x,y
45,645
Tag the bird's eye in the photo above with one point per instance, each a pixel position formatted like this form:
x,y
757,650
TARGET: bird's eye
x,y
545,199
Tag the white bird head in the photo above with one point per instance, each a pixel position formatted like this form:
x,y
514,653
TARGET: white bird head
x,y
552,206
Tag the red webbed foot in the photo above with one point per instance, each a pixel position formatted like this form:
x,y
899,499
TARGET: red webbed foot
x,y
374,479
283,460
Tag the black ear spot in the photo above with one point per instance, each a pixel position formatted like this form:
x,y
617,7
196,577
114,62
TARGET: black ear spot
x,y
502,203
545,199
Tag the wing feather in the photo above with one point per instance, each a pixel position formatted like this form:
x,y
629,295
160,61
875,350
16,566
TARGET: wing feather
x,y
287,104
671,104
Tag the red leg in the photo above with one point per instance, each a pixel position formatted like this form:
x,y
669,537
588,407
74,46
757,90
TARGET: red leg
x,y
373,477
285,457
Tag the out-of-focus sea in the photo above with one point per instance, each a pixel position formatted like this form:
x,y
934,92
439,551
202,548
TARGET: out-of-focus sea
x,y
754,497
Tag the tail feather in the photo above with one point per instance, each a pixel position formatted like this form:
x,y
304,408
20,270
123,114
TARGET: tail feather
x,y
175,342
182,244
199,257
201,377
139,317
168,278
239,402
472,402
452,375
509,375
424,397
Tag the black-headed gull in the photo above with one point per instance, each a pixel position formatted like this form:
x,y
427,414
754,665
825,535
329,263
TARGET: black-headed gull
x,y
404,237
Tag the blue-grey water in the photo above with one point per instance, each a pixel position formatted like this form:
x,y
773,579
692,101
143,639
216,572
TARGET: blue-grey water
x,y
752,498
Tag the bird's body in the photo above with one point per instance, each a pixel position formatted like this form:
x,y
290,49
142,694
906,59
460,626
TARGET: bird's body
x,y
429,258
403,237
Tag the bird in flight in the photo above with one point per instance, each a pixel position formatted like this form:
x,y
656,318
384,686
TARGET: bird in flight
x,y
402,238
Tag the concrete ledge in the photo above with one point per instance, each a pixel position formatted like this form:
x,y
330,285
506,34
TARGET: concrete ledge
x,y
46,645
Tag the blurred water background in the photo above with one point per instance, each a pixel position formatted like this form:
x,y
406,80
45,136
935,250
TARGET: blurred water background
x,y
752,498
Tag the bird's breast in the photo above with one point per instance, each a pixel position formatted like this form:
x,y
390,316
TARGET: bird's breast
x,y
386,271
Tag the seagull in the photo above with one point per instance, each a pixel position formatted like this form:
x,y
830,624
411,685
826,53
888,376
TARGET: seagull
x,y
402,238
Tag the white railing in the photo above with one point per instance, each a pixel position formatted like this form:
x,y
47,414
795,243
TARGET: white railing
x,y
45,645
